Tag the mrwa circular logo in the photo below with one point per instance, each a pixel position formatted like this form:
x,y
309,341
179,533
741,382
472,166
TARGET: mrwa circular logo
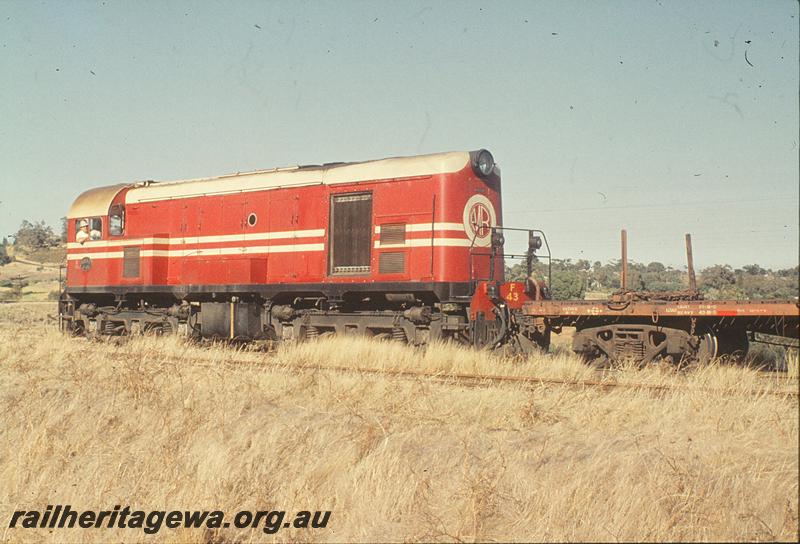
x,y
479,218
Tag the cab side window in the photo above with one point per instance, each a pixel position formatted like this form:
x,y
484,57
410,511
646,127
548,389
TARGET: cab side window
x,y
81,230
88,228
116,221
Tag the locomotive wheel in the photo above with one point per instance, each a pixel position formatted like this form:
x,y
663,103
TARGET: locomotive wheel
x,y
157,329
76,327
108,327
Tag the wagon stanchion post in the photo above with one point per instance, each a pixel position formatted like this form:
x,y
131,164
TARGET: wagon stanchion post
x,y
624,275
690,264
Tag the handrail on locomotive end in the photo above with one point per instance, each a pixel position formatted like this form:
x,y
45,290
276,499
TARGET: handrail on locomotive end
x,y
535,239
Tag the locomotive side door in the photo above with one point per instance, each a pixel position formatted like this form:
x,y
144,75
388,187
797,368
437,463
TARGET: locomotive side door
x,y
237,262
350,234
286,261
191,265
188,227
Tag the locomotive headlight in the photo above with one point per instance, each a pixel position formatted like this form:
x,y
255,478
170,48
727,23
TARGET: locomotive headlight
x,y
483,163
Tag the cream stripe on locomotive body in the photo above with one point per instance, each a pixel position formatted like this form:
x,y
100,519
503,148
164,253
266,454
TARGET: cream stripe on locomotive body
x,y
426,227
202,252
254,250
315,233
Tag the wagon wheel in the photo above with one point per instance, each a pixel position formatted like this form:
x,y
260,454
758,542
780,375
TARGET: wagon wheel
x,y
706,350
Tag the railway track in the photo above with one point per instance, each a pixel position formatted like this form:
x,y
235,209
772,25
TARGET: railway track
x,y
605,381
528,382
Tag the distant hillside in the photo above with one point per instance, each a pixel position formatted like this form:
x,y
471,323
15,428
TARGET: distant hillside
x,y
53,256
23,280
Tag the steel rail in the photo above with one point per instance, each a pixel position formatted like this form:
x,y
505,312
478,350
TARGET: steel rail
x,y
474,380
457,379
529,382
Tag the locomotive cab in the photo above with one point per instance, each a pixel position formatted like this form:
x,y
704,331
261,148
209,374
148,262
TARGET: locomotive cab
x,y
98,210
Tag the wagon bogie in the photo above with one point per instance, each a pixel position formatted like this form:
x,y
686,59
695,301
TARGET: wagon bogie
x,y
644,344
681,331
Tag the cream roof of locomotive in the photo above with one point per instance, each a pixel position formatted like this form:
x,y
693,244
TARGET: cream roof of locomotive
x,y
383,169
95,201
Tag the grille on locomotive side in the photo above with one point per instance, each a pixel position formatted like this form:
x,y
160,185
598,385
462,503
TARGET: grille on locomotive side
x,y
130,262
392,262
394,233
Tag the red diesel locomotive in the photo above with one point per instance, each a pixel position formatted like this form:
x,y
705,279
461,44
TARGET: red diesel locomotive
x,y
407,247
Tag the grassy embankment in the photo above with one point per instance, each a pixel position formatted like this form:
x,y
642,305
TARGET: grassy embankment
x,y
33,276
157,423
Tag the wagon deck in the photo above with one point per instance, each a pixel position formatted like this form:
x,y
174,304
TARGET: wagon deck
x,y
778,317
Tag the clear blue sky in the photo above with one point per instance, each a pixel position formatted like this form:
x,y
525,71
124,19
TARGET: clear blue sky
x,y
603,115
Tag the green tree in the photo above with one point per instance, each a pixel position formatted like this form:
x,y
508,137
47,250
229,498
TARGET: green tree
x,y
719,282
515,272
758,283
568,284
789,272
753,270
35,235
717,277
605,276
571,280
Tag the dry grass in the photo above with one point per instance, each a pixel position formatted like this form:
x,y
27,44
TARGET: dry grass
x,y
160,424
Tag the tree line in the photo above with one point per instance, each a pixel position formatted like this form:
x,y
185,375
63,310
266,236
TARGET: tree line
x,y
34,238
574,279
